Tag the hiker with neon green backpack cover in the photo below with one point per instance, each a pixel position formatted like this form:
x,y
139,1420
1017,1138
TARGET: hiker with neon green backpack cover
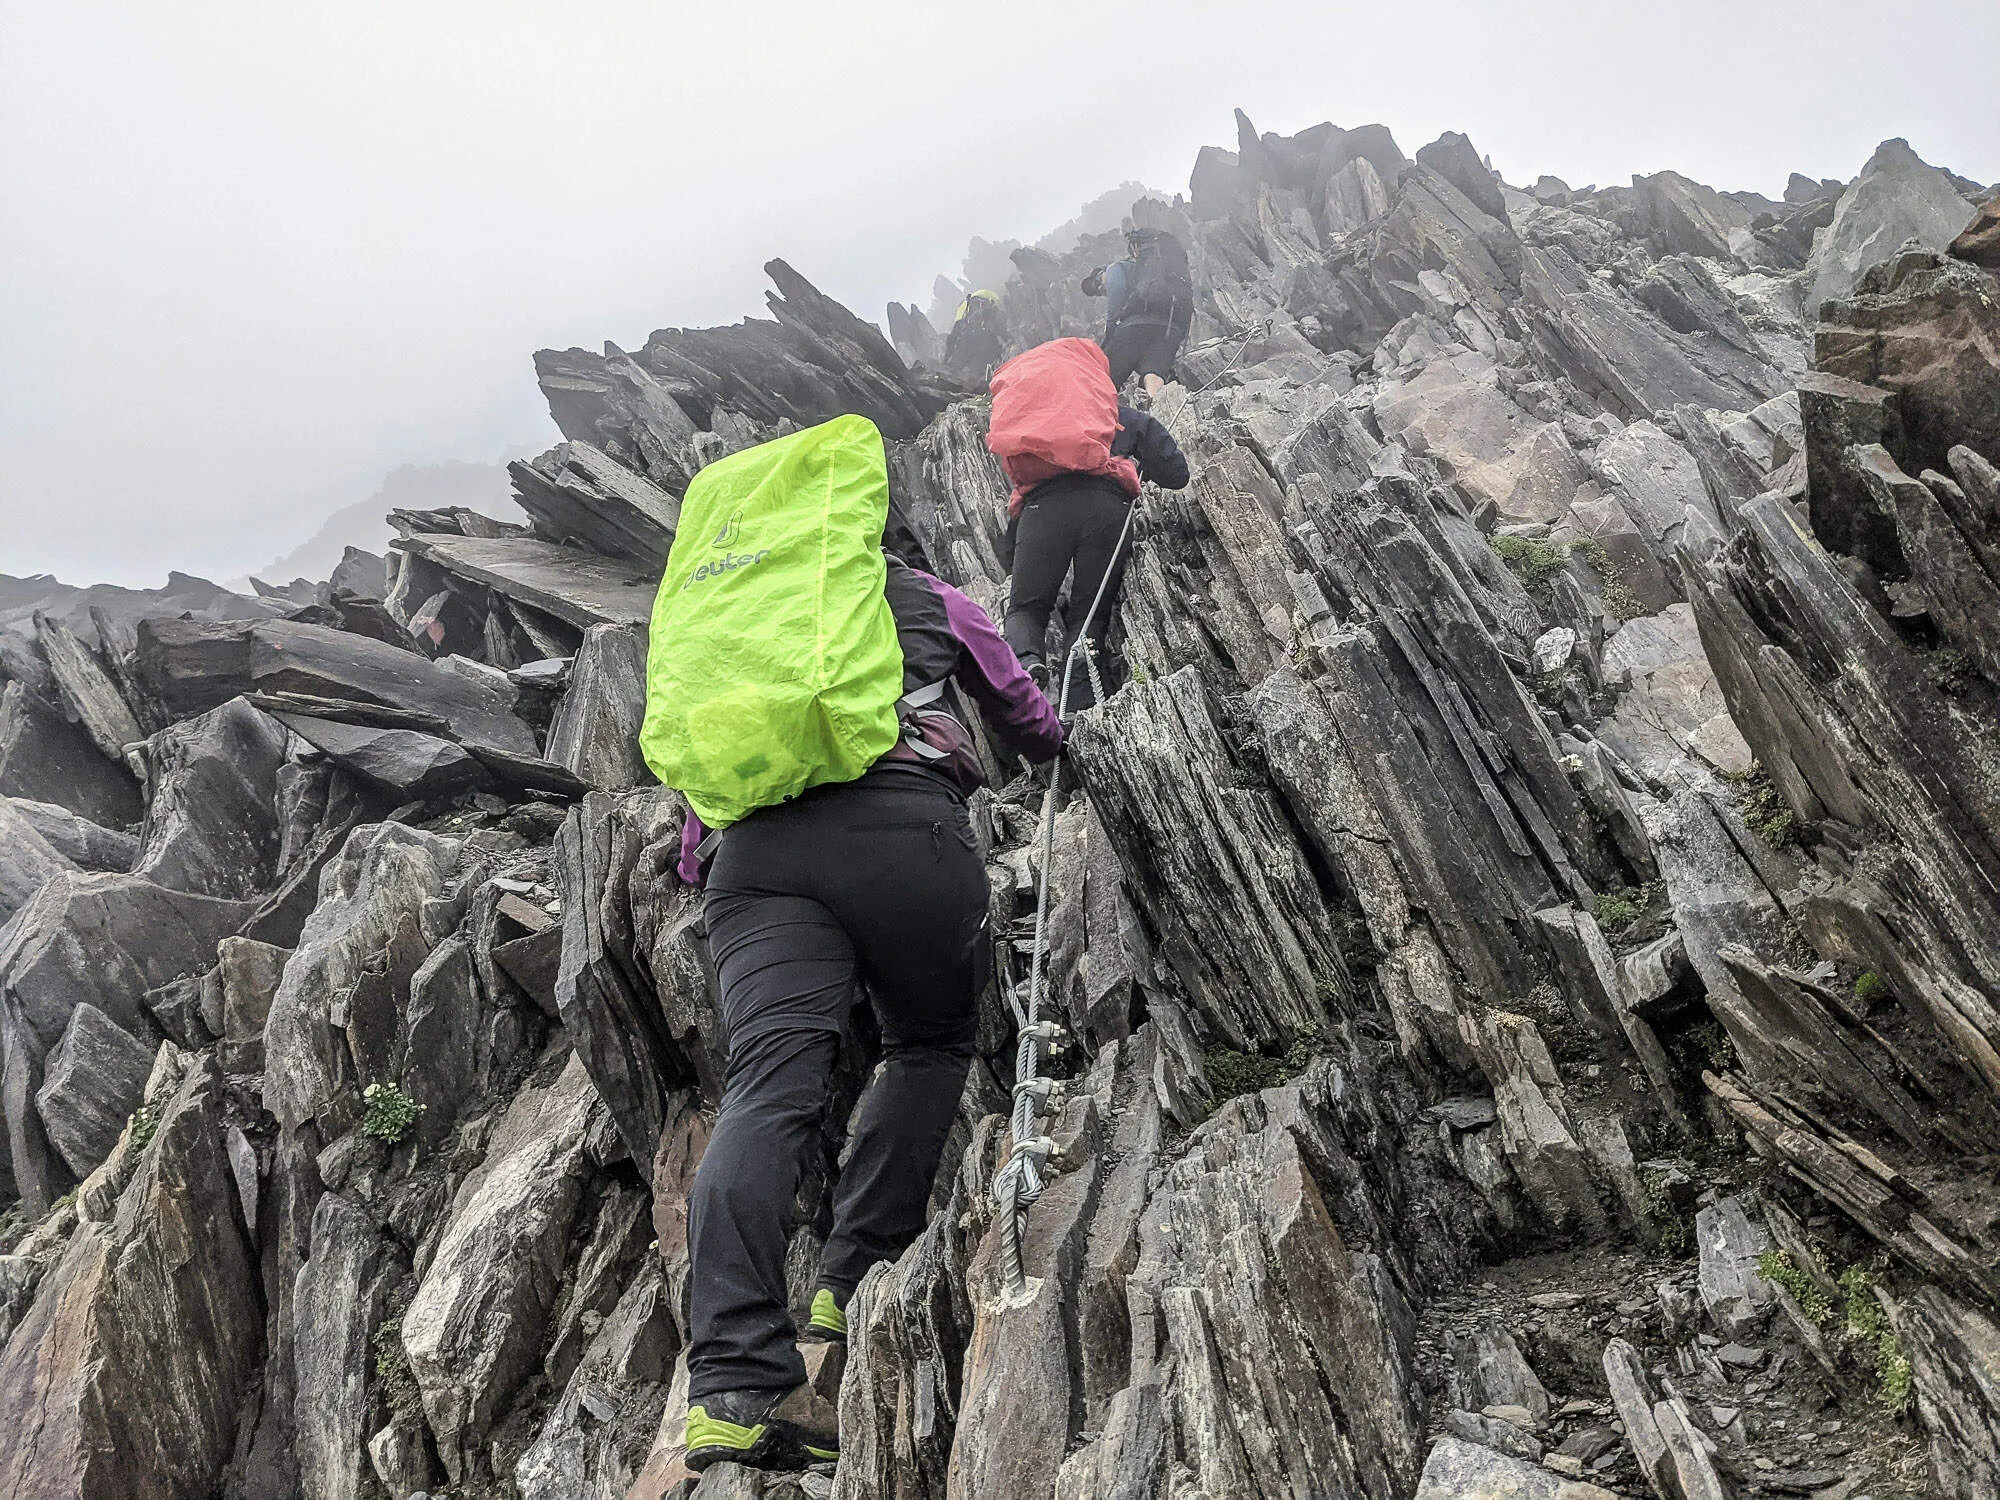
x,y
801,695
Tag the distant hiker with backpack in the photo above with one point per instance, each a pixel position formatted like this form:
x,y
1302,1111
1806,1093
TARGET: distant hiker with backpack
x,y
1076,455
799,695
1151,306
977,341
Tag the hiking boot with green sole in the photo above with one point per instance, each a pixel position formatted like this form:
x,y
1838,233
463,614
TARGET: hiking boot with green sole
x,y
789,1430
828,1324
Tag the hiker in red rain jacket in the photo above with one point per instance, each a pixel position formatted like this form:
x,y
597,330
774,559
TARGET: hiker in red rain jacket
x,y
1076,456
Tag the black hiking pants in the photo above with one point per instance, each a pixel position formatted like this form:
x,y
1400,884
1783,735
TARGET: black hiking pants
x,y
1143,349
1066,527
878,881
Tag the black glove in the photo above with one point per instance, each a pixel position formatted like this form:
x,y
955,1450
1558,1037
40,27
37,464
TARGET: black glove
x,y
1093,284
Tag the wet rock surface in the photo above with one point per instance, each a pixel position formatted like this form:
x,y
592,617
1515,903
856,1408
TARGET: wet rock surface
x,y
1524,910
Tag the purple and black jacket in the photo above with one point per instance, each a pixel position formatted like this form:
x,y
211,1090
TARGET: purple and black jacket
x,y
946,637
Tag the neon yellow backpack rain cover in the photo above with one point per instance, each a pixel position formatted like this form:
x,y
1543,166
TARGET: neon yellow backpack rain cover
x,y
773,663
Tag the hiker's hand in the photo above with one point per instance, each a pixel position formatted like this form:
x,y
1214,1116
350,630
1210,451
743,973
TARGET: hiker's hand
x,y
1093,283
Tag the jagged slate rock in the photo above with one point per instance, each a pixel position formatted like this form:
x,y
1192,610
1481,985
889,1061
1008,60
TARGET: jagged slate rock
x,y
578,588
1384,553
368,895
212,824
1126,1459
1541,1136
1668,703
1683,215
907,1330
1497,452
1493,1432
817,360
473,1331
125,1379
1248,933
78,840
88,691
1898,197
342,1296
1610,347
1954,1353
1838,414
92,1080
1695,1477
1487,1369
360,574
248,974
533,962
1359,838
28,861
412,765
400,1456
193,666
609,1009
596,729
595,1439
456,1042
106,940
600,1266
44,758
950,494
1377,274
19,1276
1839,725
1980,240
1730,1241
1275,1322
612,402
1452,157
1923,327
1658,481
576,493
1458,1470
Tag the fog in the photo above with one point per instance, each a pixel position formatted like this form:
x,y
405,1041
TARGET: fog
x,y
254,256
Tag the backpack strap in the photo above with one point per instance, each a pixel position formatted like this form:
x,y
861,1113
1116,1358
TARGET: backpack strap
x,y
907,708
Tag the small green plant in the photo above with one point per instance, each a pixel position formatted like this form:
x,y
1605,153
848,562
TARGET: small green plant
x,y
388,1112
144,1125
1712,1041
1871,987
1619,600
392,1369
1676,1231
1868,1326
1764,810
1231,1073
1536,564
1778,1268
1949,670
1615,911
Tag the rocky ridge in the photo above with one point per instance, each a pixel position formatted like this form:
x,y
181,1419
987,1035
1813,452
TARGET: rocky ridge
x,y
1526,922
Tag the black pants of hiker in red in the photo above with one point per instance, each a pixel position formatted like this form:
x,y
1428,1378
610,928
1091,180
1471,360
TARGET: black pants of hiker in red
x,y
1067,528
876,882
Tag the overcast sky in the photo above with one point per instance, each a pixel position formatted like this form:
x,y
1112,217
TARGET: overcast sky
x,y
255,254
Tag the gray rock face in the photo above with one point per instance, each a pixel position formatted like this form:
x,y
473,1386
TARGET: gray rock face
x,y
596,730
212,824
364,928
340,1301
474,1328
126,1375
1458,1470
91,1083
1898,197
44,758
